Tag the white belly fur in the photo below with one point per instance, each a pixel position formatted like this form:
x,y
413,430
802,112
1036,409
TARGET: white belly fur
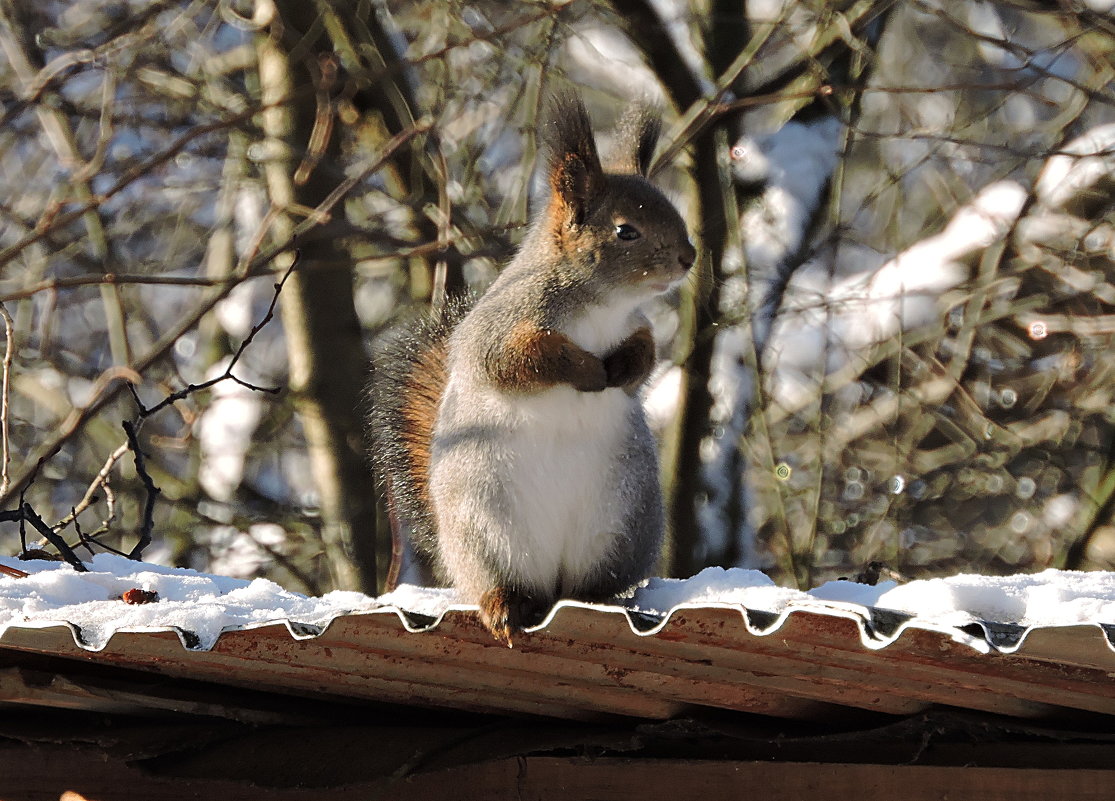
x,y
562,483
539,488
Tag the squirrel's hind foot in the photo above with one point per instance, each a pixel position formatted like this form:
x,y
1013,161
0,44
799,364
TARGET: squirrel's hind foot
x,y
506,612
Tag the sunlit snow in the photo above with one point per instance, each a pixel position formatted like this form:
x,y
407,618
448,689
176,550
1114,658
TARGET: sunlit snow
x,y
206,605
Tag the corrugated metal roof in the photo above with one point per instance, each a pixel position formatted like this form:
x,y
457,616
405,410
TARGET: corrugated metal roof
x,y
586,661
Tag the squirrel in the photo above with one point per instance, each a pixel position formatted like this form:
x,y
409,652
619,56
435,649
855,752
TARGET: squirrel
x,y
510,432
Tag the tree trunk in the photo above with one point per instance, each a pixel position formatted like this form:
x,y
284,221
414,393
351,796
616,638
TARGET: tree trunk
x,y
327,360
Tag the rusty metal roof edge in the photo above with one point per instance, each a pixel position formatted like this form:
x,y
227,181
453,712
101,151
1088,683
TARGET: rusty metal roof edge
x,y
190,641
1008,638
878,627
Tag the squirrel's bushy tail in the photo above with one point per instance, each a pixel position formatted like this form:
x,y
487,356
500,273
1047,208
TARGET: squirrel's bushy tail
x,y
408,377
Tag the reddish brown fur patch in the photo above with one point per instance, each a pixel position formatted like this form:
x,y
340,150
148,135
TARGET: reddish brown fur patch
x,y
423,388
533,358
408,378
513,367
572,184
558,217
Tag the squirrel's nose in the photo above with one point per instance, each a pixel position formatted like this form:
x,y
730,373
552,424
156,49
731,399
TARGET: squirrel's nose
x,y
687,256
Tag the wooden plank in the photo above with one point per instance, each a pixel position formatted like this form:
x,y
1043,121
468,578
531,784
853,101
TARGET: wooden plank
x,y
54,773
923,665
457,665
588,663
732,658
550,779
268,658
833,666
585,671
996,676
68,684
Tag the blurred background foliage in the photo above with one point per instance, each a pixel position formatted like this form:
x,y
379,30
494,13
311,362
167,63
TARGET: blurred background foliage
x,y
897,346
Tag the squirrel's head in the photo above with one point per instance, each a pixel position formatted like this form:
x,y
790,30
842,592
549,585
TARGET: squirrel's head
x,y
617,227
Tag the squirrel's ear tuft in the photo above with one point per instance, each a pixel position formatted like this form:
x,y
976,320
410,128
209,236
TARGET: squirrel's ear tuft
x,y
573,164
636,139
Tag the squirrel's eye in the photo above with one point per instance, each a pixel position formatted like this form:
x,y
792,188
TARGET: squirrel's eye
x,y
738,152
627,232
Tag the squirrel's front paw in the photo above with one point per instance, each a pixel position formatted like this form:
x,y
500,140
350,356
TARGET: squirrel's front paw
x,y
586,372
562,361
629,365
591,376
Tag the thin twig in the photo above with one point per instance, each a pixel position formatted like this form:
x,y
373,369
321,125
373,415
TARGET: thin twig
x,y
54,539
97,279
152,493
23,502
260,325
5,442
99,481
89,539
108,98
10,516
80,534
145,411
324,72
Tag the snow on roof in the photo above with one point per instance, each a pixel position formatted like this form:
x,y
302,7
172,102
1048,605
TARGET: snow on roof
x,y
207,606
202,604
